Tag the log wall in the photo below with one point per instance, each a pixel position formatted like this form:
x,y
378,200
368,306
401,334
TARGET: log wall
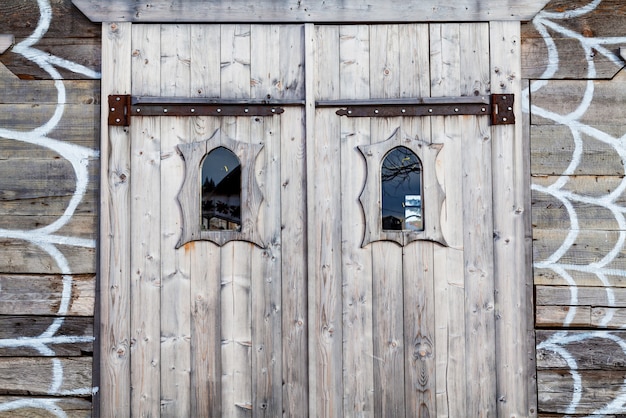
x,y
49,142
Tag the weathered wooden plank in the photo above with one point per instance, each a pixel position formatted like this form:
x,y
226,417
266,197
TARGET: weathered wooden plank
x,y
235,61
581,296
74,336
19,256
582,277
11,406
323,233
584,195
450,373
115,242
30,294
589,350
205,61
553,149
559,99
478,219
598,390
81,227
602,20
45,376
16,91
562,316
590,251
39,178
6,42
291,11
267,375
611,318
511,228
358,380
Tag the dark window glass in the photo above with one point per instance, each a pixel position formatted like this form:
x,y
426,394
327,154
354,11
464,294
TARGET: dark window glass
x,y
221,191
401,179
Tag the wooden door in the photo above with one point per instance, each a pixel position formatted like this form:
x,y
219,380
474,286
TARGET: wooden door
x,y
310,317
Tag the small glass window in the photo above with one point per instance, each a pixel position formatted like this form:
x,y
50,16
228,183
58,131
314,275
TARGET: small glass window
x,y
401,180
221,191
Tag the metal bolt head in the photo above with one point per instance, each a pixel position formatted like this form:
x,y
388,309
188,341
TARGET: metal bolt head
x,y
219,110
503,119
112,109
193,110
430,111
164,110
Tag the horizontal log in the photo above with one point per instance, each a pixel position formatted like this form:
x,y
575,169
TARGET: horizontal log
x,y
42,295
84,227
583,296
74,336
49,206
307,11
553,148
555,316
16,91
17,256
35,178
13,406
589,350
79,124
546,276
610,318
588,248
598,388
37,376
549,212
565,96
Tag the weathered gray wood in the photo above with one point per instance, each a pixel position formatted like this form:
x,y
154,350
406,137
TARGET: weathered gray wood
x,y
16,91
19,256
115,242
6,42
590,246
75,335
450,373
30,294
37,375
549,212
591,350
553,147
556,388
511,229
35,408
291,11
583,296
555,316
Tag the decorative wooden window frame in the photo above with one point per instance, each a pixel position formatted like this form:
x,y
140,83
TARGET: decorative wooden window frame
x,y
189,196
433,195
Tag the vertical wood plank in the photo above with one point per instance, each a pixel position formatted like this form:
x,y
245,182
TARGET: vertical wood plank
x,y
515,357
387,316
358,373
266,275
206,343
175,301
387,260
145,265
115,229
205,262
294,267
418,257
236,321
291,46
235,61
324,233
146,227
449,279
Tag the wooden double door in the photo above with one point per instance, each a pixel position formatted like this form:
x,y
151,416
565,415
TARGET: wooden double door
x,y
310,319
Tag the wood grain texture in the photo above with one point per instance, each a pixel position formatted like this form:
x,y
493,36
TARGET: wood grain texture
x,y
115,230
35,375
291,11
30,294
72,406
511,243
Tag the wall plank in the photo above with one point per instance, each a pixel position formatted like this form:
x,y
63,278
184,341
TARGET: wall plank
x,y
38,376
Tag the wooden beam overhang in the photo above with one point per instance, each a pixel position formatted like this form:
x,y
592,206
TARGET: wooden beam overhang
x,y
313,11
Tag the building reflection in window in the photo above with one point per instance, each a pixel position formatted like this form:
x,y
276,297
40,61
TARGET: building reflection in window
x,y
221,191
401,181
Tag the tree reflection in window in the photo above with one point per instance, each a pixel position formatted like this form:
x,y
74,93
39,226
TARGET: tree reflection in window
x,y
401,180
221,191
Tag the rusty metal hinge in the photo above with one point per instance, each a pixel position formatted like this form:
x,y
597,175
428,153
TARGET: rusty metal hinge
x,y
498,106
123,107
119,110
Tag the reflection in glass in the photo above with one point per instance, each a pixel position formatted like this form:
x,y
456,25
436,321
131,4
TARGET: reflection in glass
x,y
401,179
221,191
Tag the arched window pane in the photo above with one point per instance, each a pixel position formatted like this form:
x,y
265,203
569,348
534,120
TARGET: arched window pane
x,y
401,180
221,191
